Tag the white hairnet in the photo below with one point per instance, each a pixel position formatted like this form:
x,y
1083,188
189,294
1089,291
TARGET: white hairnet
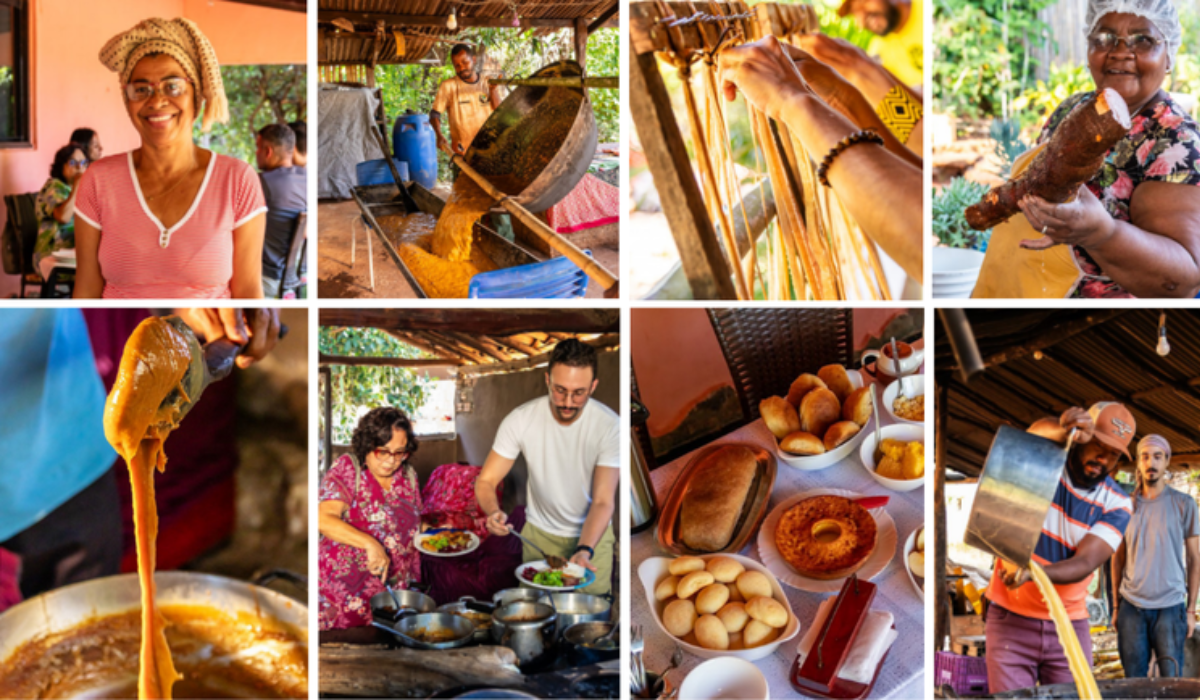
x,y
1161,12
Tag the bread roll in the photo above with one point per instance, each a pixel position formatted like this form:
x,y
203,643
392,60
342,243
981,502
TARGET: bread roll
x,y
757,634
857,406
715,498
712,598
692,583
803,384
836,380
735,596
767,610
734,616
711,633
802,443
839,433
665,590
819,410
754,583
779,415
681,566
724,569
679,617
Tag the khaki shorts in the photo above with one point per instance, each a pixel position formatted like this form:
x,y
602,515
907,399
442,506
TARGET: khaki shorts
x,y
565,547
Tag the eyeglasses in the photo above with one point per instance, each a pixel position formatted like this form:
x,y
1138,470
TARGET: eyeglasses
x,y
1140,44
170,88
388,456
78,163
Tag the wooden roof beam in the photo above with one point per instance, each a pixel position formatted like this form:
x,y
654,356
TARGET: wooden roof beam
x,y
327,16
349,361
475,343
476,356
427,347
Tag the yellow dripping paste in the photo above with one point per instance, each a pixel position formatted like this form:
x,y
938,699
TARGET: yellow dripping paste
x,y
1081,666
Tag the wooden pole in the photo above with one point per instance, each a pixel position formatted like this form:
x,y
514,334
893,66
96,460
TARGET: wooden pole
x,y
386,361
607,82
581,36
941,592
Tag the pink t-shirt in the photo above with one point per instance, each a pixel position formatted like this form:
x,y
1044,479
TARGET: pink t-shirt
x,y
142,259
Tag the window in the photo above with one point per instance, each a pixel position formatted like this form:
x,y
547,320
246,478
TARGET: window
x,y
14,73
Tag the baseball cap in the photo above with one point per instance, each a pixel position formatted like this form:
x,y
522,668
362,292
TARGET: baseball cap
x,y
1115,425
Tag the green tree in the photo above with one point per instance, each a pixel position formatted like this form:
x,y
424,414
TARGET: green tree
x,y
356,390
258,95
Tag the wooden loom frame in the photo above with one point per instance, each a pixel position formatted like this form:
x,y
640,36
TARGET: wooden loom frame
x,y
704,262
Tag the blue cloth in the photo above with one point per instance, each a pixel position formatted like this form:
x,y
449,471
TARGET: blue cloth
x,y
52,442
1141,630
286,192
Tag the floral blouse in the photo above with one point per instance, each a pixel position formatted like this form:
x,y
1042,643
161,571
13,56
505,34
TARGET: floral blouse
x,y
345,584
1162,145
52,236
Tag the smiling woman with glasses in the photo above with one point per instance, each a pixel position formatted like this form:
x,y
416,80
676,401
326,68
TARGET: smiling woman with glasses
x,y
169,220
370,510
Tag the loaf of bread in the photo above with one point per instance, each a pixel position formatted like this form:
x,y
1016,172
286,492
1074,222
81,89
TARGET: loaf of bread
x,y
819,409
779,415
837,380
802,443
803,384
839,433
715,498
858,406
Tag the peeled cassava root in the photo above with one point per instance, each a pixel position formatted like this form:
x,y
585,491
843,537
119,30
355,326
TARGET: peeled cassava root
x,y
1072,156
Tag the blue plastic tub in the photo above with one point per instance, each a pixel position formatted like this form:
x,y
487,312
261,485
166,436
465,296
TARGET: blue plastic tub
x,y
376,172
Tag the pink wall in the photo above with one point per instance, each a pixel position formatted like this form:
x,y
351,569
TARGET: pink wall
x,y
679,362
72,89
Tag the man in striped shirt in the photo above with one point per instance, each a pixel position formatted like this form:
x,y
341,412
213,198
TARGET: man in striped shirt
x,y
1083,528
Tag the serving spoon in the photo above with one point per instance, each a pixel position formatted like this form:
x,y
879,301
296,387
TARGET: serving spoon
x,y
552,560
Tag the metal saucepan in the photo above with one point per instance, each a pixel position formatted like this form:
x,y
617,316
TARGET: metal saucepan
x,y
579,639
226,637
529,629
573,608
413,630
1119,688
1015,489
391,606
512,595
539,143
481,620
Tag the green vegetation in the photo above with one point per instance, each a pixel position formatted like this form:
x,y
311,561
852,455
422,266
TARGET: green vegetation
x,y
258,95
8,115
949,221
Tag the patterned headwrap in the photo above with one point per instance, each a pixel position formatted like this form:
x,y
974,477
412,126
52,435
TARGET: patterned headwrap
x,y
183,41
1158,441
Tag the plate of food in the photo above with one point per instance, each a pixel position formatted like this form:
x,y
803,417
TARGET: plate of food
x,y
538,574
914,560
446,542
814,540
822,420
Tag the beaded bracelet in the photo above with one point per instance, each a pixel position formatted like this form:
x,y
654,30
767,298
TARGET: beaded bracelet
x,y
864,136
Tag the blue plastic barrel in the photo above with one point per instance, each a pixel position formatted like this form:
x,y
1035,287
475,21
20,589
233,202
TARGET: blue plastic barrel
x,y
416,144
376,172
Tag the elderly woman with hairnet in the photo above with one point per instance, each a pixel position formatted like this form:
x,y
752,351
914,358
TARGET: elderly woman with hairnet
x,y
169,220
1134,229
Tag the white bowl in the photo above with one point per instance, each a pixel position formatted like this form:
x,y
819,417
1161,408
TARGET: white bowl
x,y
725,678
837,454
654,569
915,383
910,545
907,433
958,292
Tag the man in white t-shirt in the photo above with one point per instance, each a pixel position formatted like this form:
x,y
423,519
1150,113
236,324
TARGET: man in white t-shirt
x,y
572,453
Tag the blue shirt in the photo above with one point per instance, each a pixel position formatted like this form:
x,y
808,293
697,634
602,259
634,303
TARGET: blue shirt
x,y
52,442
286,192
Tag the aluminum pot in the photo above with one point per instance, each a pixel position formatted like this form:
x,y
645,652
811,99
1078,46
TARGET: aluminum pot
x,y
101,620
511,595
408,630
390,608
580,639
483,630
1120,688
573,608
529,629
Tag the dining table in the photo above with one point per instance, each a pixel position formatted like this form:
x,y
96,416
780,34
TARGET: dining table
x,y
902,674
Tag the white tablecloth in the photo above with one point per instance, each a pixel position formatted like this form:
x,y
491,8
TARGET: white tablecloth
x,y
903,674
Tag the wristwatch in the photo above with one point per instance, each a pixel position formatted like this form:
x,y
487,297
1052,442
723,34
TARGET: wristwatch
x,y
584,548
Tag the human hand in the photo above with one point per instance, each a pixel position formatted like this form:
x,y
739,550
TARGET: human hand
x,y
763,73
582,558
1077,419
1084,222
497,523
458,149
1016,578
256,329
827,83
377,559
839,54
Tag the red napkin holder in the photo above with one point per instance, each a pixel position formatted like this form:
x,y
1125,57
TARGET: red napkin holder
x,y
817,676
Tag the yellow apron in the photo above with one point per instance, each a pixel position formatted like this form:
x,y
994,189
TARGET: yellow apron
x,y
1012,272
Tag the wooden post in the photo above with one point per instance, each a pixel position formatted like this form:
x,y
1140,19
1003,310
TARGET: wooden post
x,y
581,36
941,592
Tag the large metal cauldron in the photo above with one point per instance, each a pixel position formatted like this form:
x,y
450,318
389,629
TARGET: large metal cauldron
x,y
1122,688
538,144
91,631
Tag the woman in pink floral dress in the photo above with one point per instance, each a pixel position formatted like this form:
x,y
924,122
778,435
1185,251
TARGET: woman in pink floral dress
x,y
367,519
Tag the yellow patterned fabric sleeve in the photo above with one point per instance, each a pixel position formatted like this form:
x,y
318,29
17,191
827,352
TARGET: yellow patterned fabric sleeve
x,y
900,112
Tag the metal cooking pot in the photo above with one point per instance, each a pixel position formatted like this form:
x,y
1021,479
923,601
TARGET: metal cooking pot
x,y
579,639
529,629
1015,489
512,595
537,145
74,609
391,607
1120,688
573,608
483,630
407,629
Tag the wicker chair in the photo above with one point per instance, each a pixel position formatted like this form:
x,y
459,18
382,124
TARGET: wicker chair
x,y
766,349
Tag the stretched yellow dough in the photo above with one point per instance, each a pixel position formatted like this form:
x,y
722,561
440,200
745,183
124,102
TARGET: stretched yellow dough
x,y
1081,667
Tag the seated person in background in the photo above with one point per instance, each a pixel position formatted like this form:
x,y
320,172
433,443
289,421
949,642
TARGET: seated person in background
x,y
300,129
55,207
285,187
90,141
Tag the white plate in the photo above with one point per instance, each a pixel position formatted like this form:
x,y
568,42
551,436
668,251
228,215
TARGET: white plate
x,y
885,545
588,577
909,546
810,463
900,431
655,569
421,536
915,384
